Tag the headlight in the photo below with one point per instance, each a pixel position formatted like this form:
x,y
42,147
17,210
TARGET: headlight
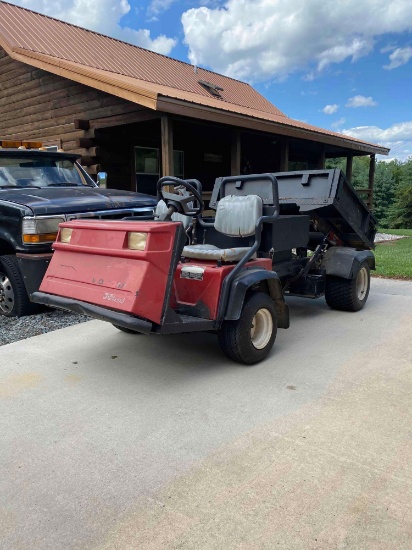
x,y
136,241
41,230
65,234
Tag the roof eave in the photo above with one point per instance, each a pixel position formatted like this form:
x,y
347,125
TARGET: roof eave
x,y
184,108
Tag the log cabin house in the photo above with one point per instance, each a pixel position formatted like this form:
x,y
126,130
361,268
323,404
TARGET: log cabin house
x,y
138,115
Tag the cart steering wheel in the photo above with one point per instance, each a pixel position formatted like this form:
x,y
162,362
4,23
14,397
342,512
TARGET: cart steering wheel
x,y
180,203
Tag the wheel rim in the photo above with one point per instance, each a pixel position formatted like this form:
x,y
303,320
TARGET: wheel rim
x,y
6,294
362,283
261,329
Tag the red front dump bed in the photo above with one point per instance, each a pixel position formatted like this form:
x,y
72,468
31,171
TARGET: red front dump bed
x,y
98,267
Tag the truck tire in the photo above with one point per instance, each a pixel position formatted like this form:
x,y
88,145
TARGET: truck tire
x,y
250,338
14,300
124,329
348,294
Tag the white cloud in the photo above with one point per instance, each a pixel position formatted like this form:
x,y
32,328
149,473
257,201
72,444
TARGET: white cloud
x,y
261,39
103,16
330,109
338,123
361,101
397,137
157,6
399,57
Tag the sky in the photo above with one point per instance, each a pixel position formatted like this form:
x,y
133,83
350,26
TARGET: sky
x,y
343,65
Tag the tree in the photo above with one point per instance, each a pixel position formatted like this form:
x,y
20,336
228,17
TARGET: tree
x,y
401,212
383,193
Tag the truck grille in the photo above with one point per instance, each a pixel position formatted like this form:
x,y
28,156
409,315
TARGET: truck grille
x,y
141,213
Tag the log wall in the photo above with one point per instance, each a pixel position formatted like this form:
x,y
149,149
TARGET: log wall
x,y
40,106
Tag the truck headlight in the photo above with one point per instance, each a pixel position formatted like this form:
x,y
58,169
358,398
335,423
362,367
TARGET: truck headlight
x,y
38,230
136,241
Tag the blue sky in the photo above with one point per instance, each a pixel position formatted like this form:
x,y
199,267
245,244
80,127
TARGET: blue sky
x,y
344,66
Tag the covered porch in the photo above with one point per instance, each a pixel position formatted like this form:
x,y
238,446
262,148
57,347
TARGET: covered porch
x,y
136,149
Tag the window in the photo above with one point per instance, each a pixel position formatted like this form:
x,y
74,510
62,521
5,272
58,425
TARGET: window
x,y
147,163
24,170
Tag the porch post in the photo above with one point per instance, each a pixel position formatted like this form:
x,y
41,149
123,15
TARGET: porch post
x,y
321,161
235,154
167,146
372,164
284,155
349,167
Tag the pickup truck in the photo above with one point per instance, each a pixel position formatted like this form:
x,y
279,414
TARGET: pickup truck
x,y
38,190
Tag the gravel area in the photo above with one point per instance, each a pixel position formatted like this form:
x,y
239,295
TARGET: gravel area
x,y
13,329
384,237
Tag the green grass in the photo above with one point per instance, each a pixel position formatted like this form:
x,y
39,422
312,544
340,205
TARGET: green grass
x,y
394,258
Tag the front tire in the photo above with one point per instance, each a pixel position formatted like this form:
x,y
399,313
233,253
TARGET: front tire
x,y
348,294
250,338
14,300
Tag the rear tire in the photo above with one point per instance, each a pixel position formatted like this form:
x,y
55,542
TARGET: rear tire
x,y
124,329
348,294
250,338
14,300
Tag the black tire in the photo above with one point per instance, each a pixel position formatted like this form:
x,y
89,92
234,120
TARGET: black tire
x,y
237,338
14,300
124,329
348,294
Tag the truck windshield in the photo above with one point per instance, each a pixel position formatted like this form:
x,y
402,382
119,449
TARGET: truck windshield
x,y
35,171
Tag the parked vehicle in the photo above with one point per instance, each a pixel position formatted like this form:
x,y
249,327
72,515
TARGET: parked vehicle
x,y
233,277
40,188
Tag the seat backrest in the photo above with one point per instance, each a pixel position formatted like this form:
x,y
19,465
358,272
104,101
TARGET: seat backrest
x,y
161,208
237,215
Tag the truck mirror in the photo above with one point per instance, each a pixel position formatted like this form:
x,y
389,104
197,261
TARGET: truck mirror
x,y
102,180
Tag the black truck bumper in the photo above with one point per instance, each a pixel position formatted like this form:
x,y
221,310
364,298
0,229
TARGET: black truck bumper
x,y
33,268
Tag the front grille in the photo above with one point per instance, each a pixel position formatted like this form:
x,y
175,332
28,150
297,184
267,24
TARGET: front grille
x,y
141,213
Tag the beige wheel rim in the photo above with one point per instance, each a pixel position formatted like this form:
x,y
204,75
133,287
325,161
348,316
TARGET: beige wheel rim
x,y
362,283
261,329
6,294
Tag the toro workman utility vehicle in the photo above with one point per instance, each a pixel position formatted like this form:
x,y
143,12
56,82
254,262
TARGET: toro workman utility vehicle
x,y
183,273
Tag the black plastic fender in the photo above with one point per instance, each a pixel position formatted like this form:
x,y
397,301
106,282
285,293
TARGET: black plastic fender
x,y
344,262
246,279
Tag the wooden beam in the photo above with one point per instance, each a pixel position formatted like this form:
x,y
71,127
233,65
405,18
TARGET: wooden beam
x,y
85,142
372,165
235,153
349,167
140,115
167,146
284,155
321,160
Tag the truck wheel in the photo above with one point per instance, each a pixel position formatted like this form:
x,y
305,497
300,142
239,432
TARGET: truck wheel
x,y
124,329
348,294
249,339
14,300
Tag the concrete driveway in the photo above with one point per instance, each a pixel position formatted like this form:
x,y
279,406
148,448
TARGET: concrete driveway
x,y
113,441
